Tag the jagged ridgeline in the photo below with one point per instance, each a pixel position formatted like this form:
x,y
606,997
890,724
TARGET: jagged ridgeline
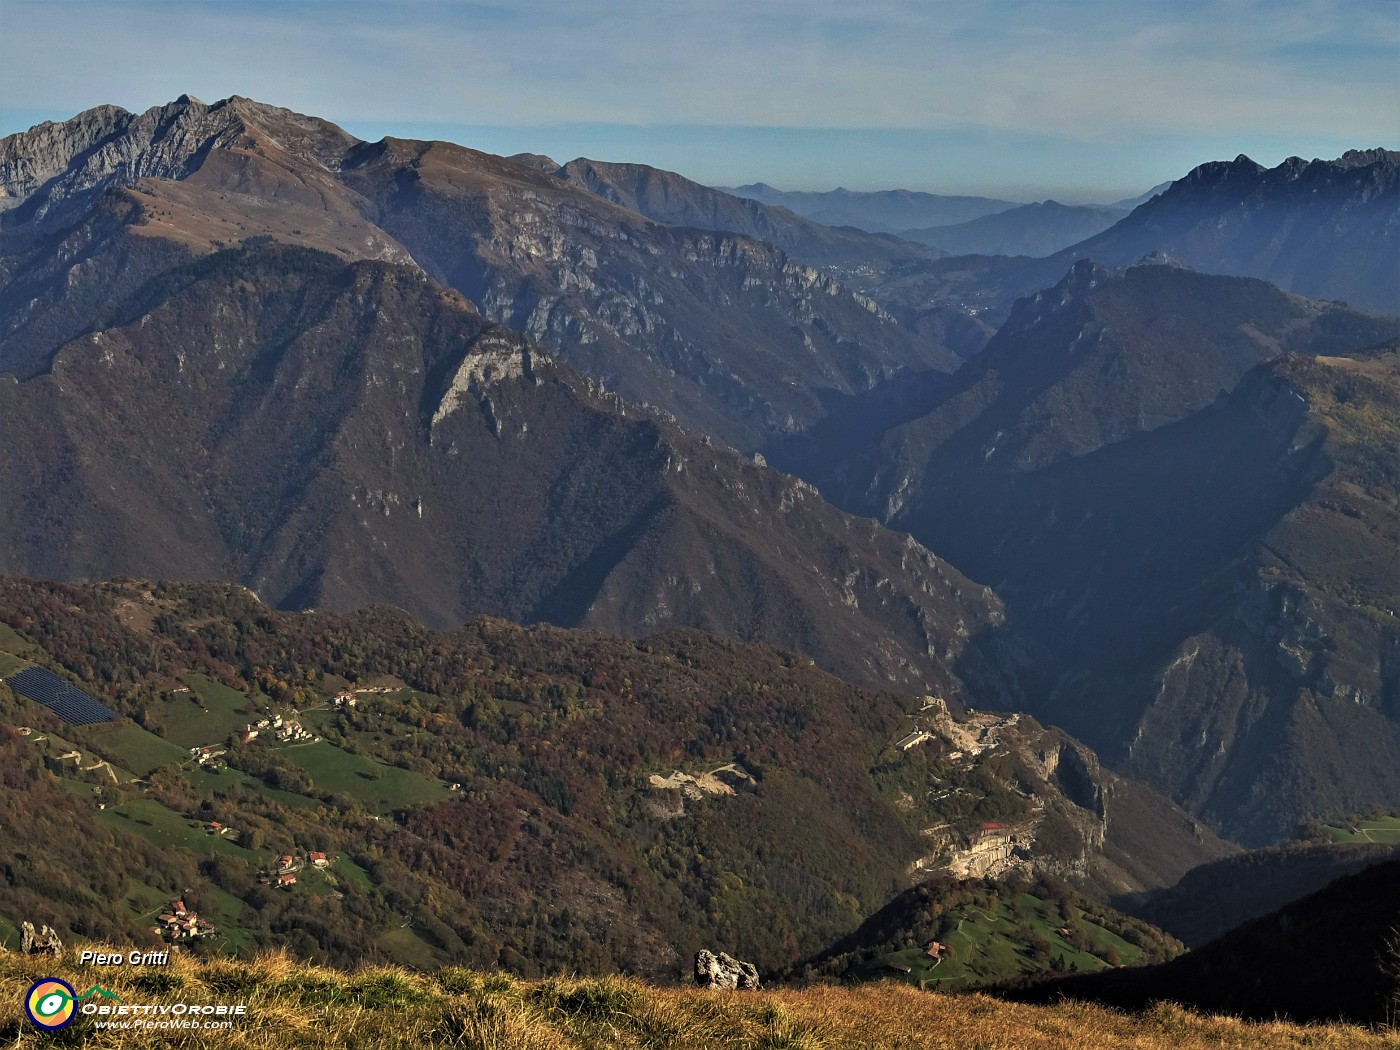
x,y
538,799
728,333
1321,228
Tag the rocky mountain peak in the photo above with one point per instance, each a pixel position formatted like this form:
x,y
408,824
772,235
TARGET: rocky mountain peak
x,y
1360,158
1216,171
310,138
49,173
1083,276
538,161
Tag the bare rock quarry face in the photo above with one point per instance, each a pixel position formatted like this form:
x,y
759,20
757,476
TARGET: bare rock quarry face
x,y
724,971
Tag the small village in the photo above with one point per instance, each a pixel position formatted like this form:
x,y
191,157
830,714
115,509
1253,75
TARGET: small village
x,y
178,923
285,730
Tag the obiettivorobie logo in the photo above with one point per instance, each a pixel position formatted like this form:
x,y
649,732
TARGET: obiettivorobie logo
x,y
52,1004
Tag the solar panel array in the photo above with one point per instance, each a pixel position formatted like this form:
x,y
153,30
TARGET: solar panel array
x,y
70,704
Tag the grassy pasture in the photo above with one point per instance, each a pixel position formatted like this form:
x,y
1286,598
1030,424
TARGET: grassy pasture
x,y
1375,829
134,748
989,946
379,786
171,830
206,715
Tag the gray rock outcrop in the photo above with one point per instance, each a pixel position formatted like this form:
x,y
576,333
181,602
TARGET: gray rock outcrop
x,y
45,942
724,971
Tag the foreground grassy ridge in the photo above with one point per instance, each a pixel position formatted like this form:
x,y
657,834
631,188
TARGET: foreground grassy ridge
x,y
291,1005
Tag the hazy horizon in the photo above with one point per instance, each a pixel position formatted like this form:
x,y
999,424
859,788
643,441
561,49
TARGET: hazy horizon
x,y
1076,101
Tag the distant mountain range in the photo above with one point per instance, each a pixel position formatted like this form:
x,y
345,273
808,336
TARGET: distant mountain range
x,y
880,211
955,225
1032,229
1127,204
677,201
1327,229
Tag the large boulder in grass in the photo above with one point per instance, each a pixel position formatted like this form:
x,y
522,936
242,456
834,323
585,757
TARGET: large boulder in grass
x,y
724,971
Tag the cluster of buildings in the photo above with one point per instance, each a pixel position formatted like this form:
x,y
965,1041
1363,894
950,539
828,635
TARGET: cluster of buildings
x,y
344,700
284,729
178,923
283,871
208,757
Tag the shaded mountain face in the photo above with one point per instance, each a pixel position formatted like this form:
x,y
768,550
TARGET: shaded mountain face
x,y
1216,897
1096,358
1346,932
338,434
1195,567
1032,229
1324,229
852,254
728,334
880,211
619,805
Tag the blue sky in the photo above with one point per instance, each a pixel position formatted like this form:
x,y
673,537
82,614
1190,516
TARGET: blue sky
x,y
1073,99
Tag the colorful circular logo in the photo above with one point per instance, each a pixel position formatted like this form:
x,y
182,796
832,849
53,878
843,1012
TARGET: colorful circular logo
x,y
50,1003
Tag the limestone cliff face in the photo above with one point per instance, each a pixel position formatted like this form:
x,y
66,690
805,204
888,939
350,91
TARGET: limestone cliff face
x,y
32,158
726,333
1059,812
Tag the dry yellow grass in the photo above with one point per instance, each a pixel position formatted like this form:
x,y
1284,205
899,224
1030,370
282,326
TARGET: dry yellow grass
x,y
291,1005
